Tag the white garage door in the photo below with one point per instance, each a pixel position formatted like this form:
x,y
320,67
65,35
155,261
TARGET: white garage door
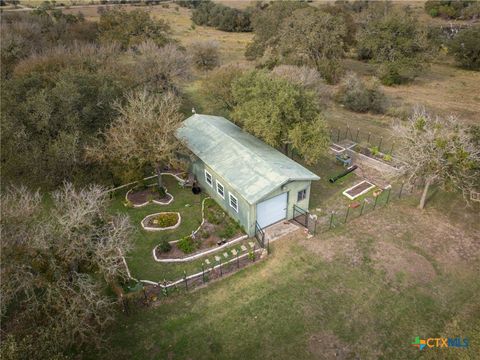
x,y
272,210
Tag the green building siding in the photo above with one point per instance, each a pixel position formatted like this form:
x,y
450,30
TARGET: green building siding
x,y
242,216
246,215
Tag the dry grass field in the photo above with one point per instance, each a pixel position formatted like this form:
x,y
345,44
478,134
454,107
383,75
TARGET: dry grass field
x,y
360,291
232,45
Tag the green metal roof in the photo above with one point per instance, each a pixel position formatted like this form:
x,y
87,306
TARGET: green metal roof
x,y
250,166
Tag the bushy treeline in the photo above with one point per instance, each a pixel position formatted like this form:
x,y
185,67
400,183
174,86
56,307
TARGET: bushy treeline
x,y
221,17
453,9
62,76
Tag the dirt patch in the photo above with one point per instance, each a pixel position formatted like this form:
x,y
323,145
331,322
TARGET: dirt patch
x,y
141,196
397,261
332,247
327,346
413,235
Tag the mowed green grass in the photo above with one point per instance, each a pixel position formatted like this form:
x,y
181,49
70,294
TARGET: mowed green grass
x,y
338,295
140,260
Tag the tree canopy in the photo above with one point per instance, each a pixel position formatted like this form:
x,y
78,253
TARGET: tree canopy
x,y
395,40
143,134
58,260
439,151
280,113
465,46
130,28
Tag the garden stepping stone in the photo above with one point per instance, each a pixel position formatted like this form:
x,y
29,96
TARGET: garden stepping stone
x,y
234,252
207,262
252,244
218,258
243,247
225,255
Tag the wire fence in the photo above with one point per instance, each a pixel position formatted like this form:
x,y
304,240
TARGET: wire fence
x,y
357,208
147,292
381,143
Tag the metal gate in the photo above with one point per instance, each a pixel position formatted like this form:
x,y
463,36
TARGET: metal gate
x,y
300,216
259,235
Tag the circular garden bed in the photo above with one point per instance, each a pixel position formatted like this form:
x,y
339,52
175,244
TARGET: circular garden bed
x,y
143,195
161,221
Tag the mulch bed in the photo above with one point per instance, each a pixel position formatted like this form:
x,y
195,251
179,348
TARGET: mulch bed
x,y
142,196
359,188
203,243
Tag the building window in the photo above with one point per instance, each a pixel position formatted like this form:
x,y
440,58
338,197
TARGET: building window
x,y
302,194
208,178
220,190
233,202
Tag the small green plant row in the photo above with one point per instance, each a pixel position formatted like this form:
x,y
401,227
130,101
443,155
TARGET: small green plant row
x,y
376,152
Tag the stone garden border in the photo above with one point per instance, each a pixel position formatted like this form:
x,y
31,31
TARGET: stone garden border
x,y
148,178
149,228
148,202
198,228
199,254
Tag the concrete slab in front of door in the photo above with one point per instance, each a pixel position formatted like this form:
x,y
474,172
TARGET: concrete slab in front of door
x,y
279,230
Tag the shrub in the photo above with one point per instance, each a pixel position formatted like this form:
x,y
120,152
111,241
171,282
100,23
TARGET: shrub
x,y
466,48
307,77
387,157
374,150
187,245
165,246
453,9
229,230
213,213
205,54
359,96
166,219
161,191
221,17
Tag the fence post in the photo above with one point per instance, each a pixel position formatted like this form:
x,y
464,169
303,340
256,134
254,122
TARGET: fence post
x,y
338,134
346,131
363,205
238,261
368,140
388,195
401,189
346,216
380,143
268,244
391,149
185,279
315,228
375,204
221,270
203,272
331,220
356,136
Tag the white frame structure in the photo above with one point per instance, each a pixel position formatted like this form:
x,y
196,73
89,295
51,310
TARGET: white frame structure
x,y
223,189
361,193
304,191
230,197
207,174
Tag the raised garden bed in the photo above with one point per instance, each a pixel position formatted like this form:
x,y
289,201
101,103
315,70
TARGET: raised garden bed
x,y
374,153
217,229
161,221
145,194
358,190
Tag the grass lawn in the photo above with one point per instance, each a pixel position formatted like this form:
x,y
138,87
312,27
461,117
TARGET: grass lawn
x,y
140,259
361,291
